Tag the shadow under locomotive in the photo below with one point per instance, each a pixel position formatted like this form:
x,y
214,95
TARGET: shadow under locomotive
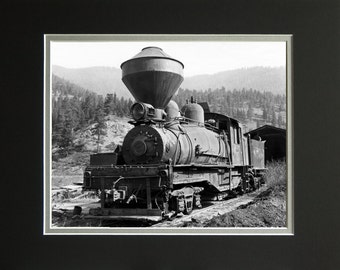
x,y
172,159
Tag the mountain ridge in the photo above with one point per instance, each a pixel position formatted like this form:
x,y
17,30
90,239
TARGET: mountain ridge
x,y
103,79
269,79
100,79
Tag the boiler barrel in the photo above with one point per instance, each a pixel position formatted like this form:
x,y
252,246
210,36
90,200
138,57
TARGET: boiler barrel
x,y
146,144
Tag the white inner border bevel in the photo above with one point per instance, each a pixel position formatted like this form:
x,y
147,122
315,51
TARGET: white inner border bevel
x,y
47,166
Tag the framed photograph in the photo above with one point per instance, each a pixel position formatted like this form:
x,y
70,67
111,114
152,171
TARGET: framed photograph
x,y
168,135
46,48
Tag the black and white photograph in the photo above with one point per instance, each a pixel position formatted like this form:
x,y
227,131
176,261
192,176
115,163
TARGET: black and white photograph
x,y
166,134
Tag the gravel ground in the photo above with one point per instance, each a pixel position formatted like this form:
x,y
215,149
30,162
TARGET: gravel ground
x,y
265,207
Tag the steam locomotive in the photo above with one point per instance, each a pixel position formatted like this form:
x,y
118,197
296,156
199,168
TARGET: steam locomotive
x,y
172,159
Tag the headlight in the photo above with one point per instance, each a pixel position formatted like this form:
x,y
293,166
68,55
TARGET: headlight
x,y
141,111
138,111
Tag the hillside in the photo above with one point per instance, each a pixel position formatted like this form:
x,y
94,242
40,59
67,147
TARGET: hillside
x,y
259,78
251,107
103,80
74,108
69,169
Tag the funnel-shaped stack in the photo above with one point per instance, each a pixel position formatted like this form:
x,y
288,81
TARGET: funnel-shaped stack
x,y
152,76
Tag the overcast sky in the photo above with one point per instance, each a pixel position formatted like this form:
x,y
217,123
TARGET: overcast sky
x,y
197,57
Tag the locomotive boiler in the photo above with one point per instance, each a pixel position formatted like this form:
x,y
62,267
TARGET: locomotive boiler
x,y
171,159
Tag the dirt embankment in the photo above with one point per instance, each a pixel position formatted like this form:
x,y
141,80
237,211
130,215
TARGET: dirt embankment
x,y
268,209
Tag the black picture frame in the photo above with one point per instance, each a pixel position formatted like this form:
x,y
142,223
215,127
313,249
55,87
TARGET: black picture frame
x,y
313,24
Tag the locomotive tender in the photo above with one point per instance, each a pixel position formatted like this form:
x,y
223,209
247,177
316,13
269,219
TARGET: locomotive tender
x,y
172,158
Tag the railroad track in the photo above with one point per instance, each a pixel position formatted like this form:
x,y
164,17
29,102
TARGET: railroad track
x,y
215,208
210,210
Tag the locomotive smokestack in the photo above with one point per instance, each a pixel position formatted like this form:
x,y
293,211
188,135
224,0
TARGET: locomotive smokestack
x,y
152,76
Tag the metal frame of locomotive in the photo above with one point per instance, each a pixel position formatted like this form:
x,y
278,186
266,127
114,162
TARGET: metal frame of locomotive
x,y
170,160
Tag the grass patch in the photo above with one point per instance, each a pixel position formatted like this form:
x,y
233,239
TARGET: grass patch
x,y
276,175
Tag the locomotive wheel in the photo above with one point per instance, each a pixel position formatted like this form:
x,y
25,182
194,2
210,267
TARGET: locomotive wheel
x,y
261,180
252,182
240,190
257,183
189,205
219,197
188,212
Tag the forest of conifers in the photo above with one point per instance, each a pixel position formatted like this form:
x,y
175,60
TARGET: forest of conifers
x,y
74,108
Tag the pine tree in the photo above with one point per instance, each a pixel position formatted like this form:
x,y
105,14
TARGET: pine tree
x,y
274,121
250,112
258,123
229,105
280,121
108,104
264,114
99,120
89,106
68,125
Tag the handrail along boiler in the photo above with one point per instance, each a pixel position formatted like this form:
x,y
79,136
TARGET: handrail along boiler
x,y
171,158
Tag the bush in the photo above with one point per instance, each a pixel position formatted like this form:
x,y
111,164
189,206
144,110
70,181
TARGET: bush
x,y
59,153
276,175
112,146
80,159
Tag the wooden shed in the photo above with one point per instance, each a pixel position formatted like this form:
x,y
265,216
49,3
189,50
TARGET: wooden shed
x,y
275,145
